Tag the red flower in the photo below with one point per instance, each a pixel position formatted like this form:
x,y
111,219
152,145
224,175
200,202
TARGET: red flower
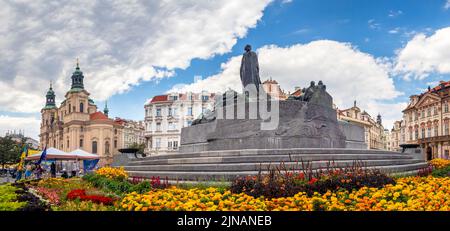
x,y
81,194
313,180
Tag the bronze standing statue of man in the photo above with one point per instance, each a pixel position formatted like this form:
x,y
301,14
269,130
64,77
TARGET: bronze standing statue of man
x,y
250,68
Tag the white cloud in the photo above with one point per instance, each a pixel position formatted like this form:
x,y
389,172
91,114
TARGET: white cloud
x,y
425,55
373,24
394,31
447,5
348,73
30,125
119,43
395,13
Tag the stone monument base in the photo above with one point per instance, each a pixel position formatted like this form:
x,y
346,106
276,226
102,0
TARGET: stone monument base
x,y
226,165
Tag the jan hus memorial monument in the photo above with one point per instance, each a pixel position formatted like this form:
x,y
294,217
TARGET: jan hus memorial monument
x,y
251,131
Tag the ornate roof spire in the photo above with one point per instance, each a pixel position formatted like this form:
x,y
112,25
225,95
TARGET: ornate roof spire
x,y
106,110
50,98
77,78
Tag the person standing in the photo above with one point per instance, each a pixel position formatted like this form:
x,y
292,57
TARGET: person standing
x,y
53,169
28,172
19,173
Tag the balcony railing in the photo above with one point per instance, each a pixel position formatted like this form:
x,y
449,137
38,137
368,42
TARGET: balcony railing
x,y
434,139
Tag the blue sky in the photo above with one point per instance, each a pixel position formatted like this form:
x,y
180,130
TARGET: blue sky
x,y
303,21
380,30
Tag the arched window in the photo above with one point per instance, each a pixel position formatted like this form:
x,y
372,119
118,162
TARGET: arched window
x,y
107,148
70,106
81,107
94,147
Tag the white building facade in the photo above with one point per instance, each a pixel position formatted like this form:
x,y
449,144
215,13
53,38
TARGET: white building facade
x,y
165,115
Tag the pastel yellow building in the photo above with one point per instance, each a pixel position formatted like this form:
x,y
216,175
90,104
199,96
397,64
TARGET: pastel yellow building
x,y
427,118
76,123
374,134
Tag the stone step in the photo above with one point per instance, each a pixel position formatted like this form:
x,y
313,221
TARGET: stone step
x,y
261,166
252,152
268,158
229,176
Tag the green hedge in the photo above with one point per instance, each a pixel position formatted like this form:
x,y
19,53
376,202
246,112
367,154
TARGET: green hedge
x,y
443,172
117,186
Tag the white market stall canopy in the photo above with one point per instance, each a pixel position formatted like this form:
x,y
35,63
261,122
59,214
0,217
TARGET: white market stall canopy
x,y
83,155
53,154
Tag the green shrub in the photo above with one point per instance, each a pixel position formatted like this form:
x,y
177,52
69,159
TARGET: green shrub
x,y
8,198
117,186
442,172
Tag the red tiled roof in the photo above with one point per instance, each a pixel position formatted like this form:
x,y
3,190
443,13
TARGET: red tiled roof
x,y
119,121
159,98
98,116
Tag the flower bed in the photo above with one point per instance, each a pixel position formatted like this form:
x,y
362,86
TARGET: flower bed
x,y
81,195
411,193
8,198
112,173
279,183
440,163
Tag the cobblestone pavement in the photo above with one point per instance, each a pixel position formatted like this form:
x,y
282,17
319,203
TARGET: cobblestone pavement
x,y
4,180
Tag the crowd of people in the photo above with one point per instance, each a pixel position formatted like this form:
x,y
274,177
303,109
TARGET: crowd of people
x,y
36,171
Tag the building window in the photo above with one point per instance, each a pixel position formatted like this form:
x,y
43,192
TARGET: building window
x,y
428,112
423,133
423,113
429,132
169,145
174,111
435,110
158,111
190,97
68,144
436,131
70,106
81,107
107,147
446,129
158,143
172,126
189,123
189,111
94,147
115,143
175,144
203,110
115,131
175,97
81,143
158,127
54,143
205,97
416,134
170,111
446,107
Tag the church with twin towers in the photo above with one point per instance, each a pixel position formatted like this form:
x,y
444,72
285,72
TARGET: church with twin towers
x,y
77,124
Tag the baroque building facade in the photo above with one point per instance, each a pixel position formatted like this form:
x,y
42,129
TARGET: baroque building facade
x,y
427,119
133,132
374,134
272,88
165,115
76,123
